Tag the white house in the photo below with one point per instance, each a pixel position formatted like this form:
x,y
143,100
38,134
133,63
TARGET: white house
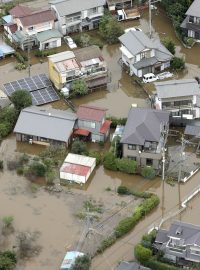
x,y
77,168
143,55
76,15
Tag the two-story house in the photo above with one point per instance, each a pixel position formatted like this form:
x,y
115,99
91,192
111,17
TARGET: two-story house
x,y
143,55
86,63
76,15
181,98
181,241
142,139
191,24
92,123
31,28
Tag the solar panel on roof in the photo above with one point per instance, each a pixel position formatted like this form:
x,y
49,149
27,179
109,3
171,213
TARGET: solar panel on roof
x,y
39,86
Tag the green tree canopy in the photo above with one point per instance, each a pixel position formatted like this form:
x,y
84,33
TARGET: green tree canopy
x,y
21,99
79,88
82,263
79,147
142,254
169,44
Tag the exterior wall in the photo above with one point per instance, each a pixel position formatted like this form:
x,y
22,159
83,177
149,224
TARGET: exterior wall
x,y
36,28
8,33
54,76
81,124
142,157
51,42
193,28
73,177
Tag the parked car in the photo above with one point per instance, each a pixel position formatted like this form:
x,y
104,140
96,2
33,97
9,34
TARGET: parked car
x,y
149,77
70,42
132,29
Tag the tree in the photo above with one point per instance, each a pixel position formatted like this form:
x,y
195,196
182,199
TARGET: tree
x,y
148,172
79,88
21,99
39,169
79,147
7,260
126,165
169,44
82,263
177,63
142,254
8,117
110,28
109,161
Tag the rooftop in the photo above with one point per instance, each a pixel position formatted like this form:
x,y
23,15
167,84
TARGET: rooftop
x,y
177,88
144,125
67,7
47,123
194,9
88,53
38,17
88,112
46,35
20,11
130,266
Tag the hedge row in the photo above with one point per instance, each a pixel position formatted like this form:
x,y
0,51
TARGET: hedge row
x,y
127,224
156,265
122,190
117,121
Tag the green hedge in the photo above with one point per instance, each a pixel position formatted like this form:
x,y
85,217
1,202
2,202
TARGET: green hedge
x,y
117,121
126,165
142,254
156,265
148,172
124,190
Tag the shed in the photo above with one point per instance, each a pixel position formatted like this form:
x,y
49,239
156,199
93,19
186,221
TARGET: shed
x,y
77,168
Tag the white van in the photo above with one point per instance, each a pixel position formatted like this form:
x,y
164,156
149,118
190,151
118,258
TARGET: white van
x,y
149,77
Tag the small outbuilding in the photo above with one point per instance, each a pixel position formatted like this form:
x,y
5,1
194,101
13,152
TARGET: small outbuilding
x,y
77,168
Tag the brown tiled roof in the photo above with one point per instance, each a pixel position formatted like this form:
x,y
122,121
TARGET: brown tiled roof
x,y
20,11
88,112
38,17
12,27
88,53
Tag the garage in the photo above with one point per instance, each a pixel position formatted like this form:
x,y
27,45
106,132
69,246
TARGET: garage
x,y
77,168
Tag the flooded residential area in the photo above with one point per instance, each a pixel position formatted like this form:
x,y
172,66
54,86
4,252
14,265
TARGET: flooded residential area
x,y
79,216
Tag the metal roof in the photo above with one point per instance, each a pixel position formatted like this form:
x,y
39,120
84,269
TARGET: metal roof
x,y
144,125
49,34
88,53
145,62
177,88
48,123
194,9
38,17
130,266
75,169
67,7
161,236
61,56
80,160
92,113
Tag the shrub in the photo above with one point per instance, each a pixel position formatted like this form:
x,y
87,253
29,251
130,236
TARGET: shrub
x,y
45,53
169,44
1,165
79,147
177,63
125,226
79,88
20,170
4,130
156,265
21,99
148,172
97,155
20,58
37,168
149,204
20,66
109,162
126,165
117,121
142,254
189,41
8,221
123,190
148,239
7,260
82,263
106,243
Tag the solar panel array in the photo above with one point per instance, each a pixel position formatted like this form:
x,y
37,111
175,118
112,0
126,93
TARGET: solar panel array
x,y
39,86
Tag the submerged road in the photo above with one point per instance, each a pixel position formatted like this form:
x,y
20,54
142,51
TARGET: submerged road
x,y
123,249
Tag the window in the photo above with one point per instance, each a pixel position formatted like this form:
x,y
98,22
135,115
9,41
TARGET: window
x,y
131,146
195,251
143,55
131,158
149,162
191,19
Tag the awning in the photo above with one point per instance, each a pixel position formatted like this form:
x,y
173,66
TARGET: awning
x,y
82,132
105,126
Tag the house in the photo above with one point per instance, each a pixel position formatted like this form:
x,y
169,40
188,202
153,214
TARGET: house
x,y
92,123
45,126
77,168
86,63
180,242
142,139
30,28
130,266
143,55
76,15
181,98
191,24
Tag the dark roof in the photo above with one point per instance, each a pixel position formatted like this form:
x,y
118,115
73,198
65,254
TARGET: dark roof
x,y
192,130
38,17
88,53
48,123
188,232
20,11
12,27
144,125
88,112
130,266
145,62
194,9
161,236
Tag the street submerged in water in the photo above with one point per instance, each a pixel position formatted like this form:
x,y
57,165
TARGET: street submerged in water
x,y
52,215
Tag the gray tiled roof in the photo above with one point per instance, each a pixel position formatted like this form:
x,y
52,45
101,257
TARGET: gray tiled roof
x,y
194,9
161,236
189,232
67,7
145,62
130,266
177,88
47,123
144,125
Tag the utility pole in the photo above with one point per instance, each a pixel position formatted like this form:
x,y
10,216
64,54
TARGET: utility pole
x,y
150,20
29,58
163,181
180,170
